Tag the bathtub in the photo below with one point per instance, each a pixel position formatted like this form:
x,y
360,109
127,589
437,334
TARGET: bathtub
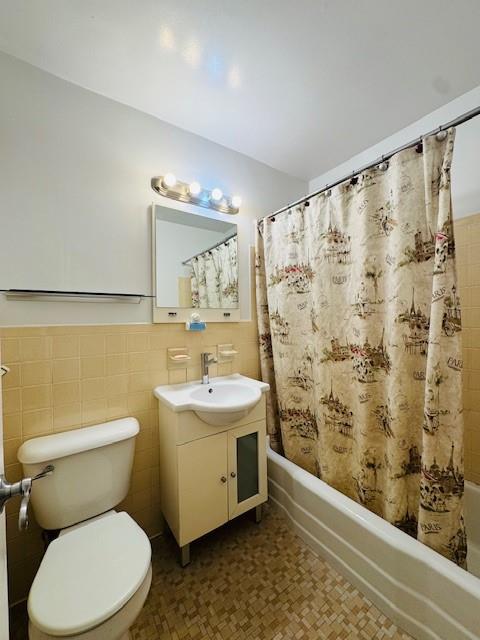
x,y
421,591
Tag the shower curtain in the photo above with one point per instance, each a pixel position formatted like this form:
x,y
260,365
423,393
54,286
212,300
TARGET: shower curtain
x,y
214,277
359,323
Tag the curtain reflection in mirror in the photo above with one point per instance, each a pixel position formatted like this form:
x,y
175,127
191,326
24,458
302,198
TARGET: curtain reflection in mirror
x,y
214,277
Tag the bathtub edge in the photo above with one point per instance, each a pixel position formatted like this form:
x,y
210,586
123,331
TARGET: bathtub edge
x,y
430,620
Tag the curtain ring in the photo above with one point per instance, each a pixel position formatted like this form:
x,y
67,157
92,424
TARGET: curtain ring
x,y
441,134
383,166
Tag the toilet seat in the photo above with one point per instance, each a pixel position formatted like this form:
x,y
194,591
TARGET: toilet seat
x,y
115,628
88,574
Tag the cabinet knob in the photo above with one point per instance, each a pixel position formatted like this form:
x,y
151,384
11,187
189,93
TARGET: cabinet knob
x,y
223,479
233,474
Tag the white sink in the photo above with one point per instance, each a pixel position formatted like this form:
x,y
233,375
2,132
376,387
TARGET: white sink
x,y
223,401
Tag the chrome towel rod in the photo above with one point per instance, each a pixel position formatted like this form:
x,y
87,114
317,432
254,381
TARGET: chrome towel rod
x,y
47,295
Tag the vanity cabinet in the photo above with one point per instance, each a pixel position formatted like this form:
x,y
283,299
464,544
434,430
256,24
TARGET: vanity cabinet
x,y
210,474
202,486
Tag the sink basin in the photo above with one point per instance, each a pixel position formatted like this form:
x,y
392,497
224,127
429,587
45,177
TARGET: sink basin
x,y
222,402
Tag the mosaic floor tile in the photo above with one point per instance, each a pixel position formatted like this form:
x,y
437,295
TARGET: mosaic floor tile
x,y
250,582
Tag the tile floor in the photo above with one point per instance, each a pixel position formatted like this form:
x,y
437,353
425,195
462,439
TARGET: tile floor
x,y
252,582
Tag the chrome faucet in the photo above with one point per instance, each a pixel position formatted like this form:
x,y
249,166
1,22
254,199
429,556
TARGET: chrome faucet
x,y
206,360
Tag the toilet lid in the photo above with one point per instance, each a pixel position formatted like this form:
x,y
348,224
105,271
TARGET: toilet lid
x,y
88,574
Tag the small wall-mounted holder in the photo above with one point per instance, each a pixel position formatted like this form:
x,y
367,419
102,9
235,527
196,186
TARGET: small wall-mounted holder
x,y
226,353
195,323
178,358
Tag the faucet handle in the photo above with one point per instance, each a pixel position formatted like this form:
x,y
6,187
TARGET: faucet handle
x,y
44,472
26,490
21,488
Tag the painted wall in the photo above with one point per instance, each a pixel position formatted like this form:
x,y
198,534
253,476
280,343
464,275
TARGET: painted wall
x,y
466,165
75,172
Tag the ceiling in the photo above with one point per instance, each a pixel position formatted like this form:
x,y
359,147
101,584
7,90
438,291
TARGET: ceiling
x,y
301,85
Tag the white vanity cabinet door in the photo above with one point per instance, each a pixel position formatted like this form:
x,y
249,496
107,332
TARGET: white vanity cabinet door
x,y
247,468
202,486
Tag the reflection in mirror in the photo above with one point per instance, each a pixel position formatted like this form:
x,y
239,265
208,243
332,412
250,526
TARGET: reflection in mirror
x,y
196,261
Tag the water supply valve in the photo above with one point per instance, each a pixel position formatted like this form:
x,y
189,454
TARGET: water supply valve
x,y
25,492
21,488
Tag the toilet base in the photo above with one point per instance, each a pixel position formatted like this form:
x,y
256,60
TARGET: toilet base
x,y
115,628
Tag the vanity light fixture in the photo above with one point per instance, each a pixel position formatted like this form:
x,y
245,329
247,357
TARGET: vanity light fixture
x,y
168,185
216,195
169,180
194,188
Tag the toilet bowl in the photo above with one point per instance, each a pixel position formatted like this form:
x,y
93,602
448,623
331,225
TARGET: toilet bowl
x,y
95,576
92,582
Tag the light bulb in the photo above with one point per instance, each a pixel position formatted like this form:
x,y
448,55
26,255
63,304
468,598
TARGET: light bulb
x,y
194,188
236,202
169,180
216,194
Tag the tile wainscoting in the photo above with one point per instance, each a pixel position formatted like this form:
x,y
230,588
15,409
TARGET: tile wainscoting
x,y
69,377
467,237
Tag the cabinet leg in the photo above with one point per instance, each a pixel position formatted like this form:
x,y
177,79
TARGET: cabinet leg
x,y
258,514
185,555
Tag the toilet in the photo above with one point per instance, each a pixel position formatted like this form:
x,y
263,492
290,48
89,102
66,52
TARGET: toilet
x,y
95,576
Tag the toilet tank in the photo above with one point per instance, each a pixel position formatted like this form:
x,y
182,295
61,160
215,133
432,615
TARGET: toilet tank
x,y
92,471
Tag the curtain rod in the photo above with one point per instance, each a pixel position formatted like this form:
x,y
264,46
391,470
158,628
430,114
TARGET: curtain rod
x,y
210,248
453,123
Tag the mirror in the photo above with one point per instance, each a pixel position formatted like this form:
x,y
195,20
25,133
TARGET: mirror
x,y
196,262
